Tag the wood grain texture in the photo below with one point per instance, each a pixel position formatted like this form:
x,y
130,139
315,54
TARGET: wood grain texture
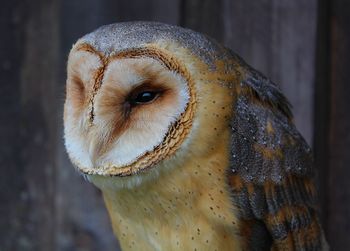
x,y
13,206
42,195
204,16
36,129
39,101
322,103
339,172
278,38
152,10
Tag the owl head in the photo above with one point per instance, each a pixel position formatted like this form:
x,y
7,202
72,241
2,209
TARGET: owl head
x,y
141,96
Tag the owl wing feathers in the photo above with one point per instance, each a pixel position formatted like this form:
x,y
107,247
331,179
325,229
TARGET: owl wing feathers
x,y
271,171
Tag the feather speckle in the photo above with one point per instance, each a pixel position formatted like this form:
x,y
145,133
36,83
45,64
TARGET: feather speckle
x,y
212,160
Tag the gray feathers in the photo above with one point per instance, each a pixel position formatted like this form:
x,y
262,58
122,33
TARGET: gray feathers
x,y
262,126
114,38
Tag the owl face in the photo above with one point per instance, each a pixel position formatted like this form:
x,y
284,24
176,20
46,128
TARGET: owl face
x,y
121,111
142,95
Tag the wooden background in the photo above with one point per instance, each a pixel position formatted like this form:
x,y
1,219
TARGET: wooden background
x,y
304,46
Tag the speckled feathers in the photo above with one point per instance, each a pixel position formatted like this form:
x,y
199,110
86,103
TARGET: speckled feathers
x,y
215,164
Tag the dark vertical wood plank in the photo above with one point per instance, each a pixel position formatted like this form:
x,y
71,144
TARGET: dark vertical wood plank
x,y
278,38
321,144
339,173
134,10
39,101
14,205
166,11
33,128
204,16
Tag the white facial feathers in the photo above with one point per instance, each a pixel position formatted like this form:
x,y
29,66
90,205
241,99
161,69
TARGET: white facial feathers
x,y
120,133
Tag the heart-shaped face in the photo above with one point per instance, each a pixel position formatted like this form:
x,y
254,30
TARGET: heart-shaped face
x,y
120,111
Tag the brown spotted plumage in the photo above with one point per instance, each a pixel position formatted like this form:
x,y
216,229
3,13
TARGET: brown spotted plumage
x,y
192,148
272,170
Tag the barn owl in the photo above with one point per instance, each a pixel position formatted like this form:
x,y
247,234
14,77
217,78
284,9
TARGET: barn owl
x,y
192,148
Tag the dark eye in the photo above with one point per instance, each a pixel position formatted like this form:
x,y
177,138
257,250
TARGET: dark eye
x,y
144,97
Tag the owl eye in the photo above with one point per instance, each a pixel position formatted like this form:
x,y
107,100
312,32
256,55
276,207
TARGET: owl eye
x,y
144,97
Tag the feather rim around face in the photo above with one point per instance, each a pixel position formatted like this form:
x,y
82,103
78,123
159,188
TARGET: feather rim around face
x,y
177,132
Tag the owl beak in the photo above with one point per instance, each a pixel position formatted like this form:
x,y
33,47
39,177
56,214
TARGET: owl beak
x,y
96,146
94,149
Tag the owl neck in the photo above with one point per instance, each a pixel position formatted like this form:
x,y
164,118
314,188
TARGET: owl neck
x,y
184,201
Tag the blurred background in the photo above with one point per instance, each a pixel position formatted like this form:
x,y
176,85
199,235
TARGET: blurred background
x,y
304,46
